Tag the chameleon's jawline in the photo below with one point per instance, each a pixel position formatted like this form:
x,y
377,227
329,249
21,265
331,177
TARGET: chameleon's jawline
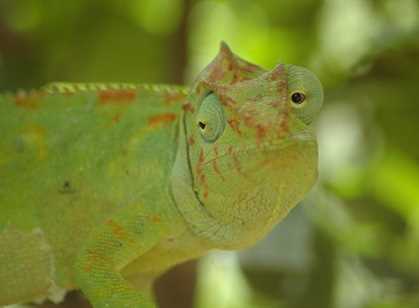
x,y
267,146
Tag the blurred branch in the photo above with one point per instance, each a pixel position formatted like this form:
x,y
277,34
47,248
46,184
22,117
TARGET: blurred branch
x,y
11,41
176,288
179,43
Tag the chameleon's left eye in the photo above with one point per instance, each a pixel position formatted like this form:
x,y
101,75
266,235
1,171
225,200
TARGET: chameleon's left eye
x,y
210,120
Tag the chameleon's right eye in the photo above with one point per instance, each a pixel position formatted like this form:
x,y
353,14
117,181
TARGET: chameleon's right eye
x,y
210,120
298,98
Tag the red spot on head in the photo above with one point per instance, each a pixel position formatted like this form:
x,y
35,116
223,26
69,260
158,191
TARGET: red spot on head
x,y
236,161
201,156
201,178
234,124
191,141
283,127
225,99
277,73
215,163
188,107
217,73
260,132
161,118
199,164
250,68
117,96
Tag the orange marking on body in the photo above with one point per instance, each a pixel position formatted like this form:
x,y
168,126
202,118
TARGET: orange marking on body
x,y
117,96
88,267
116,118
156,219
92,259
161,118
117,230
34,136
28,101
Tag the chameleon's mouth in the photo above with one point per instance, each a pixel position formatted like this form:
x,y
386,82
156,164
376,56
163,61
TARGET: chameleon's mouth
x,y
273,145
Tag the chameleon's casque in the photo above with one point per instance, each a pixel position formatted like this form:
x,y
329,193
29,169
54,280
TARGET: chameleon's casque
x,y
104,187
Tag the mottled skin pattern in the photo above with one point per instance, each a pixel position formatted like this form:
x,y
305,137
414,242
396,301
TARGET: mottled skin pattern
x,y
103,188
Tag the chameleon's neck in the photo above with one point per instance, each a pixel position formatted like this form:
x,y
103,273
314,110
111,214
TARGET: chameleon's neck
x,y
198,218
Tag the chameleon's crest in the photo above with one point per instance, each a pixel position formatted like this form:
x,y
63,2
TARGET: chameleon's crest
x,y
228,68
253,97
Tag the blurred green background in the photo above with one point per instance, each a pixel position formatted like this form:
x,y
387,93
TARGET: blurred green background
x,y
354,242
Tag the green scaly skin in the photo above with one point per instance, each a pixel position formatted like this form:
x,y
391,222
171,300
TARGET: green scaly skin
x,y
104,187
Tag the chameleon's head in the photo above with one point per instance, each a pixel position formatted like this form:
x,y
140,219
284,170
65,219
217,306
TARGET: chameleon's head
x,y
250,149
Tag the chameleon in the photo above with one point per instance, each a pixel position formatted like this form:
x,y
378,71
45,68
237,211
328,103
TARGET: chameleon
x,y
103,187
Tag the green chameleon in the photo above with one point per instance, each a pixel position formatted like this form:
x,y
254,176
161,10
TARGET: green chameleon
x,y
104,187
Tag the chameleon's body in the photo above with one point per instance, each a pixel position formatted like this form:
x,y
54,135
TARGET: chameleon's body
x,y
103,188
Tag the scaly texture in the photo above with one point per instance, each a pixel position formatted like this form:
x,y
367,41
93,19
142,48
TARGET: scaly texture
x,y
104,187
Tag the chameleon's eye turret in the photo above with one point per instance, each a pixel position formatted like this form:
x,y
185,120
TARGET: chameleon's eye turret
x,y
305,92
210,119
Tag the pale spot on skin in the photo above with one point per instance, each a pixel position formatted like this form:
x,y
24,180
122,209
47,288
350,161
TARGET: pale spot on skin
x,y
31,262
33,136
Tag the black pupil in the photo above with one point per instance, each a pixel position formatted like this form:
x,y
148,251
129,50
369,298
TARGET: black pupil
x,y
298,97
202,125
